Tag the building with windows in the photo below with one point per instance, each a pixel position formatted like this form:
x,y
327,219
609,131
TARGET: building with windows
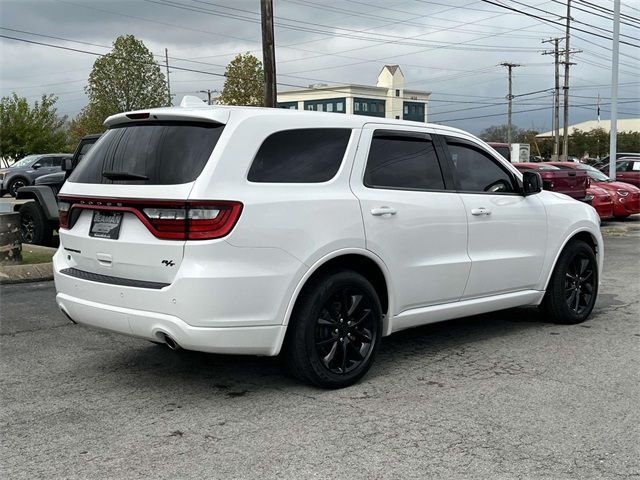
x,y
388,99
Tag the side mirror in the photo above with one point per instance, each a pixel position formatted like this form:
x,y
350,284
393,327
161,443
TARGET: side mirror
x,y
36,166
67,164
531,183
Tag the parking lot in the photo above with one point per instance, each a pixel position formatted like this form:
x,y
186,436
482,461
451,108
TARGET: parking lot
x,y
504,395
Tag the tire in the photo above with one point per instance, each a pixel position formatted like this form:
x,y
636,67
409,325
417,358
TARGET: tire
x,y
15,184
334,331
573,288
34,226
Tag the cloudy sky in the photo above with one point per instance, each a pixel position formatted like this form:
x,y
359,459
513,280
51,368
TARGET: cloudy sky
x,y
451,48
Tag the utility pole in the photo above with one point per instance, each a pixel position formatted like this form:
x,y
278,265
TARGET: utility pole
x,y
613,134
567,64
208,92
166,59
268,53
510,66
556,96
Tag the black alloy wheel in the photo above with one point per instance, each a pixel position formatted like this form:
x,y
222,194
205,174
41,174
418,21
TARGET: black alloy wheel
x,y
15,185
27,228
34,225
345,330
578,284
572,291
334,331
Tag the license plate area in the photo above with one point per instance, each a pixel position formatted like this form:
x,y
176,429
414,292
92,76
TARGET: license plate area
x,y
105,224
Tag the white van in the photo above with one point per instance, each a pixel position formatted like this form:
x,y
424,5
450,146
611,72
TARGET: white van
x,y
250,231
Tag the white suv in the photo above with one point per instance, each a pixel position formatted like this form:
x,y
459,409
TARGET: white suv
x,y
250,231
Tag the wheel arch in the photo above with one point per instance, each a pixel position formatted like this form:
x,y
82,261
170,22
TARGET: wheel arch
x,y
586,236
42,195
19,176
359,260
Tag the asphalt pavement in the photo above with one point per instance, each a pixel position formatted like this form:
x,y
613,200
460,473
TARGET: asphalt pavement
x,y
504,396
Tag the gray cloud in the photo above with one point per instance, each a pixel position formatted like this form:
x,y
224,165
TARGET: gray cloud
x,y
449,48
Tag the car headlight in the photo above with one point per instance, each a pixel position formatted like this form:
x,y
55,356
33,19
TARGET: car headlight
x,y
623,193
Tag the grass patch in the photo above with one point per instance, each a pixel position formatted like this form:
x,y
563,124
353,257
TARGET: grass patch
x,y
30,257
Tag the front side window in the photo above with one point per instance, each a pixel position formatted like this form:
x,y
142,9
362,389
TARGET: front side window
x,y
476,170
623,166
306,155
45,162
149,153
403,162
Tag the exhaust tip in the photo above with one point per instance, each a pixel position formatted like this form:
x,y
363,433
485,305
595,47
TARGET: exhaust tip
x,y
171,343
64,312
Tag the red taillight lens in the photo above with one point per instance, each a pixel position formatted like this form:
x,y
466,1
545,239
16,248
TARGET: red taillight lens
x,y
212,221
63,213
170,220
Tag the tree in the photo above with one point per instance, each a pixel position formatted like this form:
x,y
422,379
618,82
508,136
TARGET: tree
x,y
244,83
498,133
127,78
25,130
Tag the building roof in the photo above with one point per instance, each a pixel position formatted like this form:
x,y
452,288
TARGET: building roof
x,y
624,125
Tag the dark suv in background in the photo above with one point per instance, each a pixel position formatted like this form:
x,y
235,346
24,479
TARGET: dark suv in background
x,y
25,171
39,216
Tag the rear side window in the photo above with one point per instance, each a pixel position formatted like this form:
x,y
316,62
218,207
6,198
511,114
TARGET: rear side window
x,y
403,162
149,153
306,155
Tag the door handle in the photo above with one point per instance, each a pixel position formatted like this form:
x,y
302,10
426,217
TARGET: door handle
x,y
382,211
480,211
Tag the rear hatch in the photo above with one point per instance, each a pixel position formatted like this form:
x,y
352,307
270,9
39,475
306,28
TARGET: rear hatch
x,y
125,211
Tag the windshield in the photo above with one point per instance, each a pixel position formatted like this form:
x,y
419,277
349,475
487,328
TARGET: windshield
x,y
25,162
594,173
149,153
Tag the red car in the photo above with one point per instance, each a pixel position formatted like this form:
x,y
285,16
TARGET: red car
x,y
602,201
570,183
627,170
626,197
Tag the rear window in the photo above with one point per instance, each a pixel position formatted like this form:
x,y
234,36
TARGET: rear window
x,y
306,155
150,153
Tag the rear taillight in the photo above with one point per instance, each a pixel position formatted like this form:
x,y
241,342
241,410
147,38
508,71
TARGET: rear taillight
x,y
170,220
63,214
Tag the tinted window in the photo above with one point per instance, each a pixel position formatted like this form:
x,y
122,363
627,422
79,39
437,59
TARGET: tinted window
x,y
57,161
476,171
623,166
307,155
165,152
403,162
46,162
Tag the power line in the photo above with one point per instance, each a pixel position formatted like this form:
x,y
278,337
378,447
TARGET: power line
x,y
532,15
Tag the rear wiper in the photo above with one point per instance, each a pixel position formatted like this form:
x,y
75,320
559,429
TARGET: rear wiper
x,y
124,176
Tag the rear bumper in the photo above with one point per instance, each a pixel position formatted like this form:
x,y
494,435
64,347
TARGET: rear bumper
x,y
262,340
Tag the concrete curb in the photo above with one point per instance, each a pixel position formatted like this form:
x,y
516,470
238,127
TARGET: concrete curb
x,y
36,272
